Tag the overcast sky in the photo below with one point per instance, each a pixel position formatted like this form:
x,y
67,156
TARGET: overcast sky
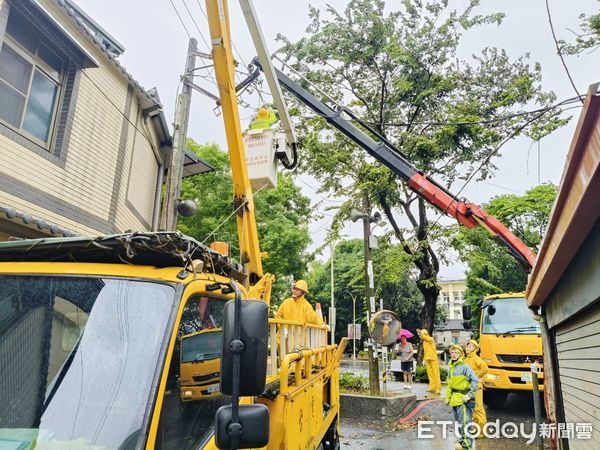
x,y
156,44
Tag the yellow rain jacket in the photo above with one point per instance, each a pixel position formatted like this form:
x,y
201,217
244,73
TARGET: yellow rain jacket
x,y
298,310
431,362
480,368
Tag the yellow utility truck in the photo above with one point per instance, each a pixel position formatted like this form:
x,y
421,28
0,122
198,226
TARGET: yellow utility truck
x,y
109,342
510,340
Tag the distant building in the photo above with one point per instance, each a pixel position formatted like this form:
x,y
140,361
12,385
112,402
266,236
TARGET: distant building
x,y
565,285
83,146
452,332
452,297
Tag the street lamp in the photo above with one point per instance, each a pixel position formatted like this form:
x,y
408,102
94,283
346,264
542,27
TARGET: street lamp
x,y
332,312
353,323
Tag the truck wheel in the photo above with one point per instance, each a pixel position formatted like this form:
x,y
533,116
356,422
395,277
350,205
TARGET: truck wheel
x,y
494,399
331,441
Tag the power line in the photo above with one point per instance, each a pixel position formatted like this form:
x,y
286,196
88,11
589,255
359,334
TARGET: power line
x,y
559,52
114,105
481,122
196,24
180,19
315,191
483,163
232,43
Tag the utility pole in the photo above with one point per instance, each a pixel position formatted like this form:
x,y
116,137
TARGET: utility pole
x,y
370,295
182,114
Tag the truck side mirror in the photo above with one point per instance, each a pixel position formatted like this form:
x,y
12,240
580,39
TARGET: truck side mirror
x,y
250,431
254,332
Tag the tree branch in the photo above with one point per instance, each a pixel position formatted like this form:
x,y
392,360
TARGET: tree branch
x,y
560,53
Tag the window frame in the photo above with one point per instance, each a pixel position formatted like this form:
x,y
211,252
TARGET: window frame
x,y
37,63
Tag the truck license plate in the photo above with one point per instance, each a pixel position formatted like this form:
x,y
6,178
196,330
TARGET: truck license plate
x,y
526,377
213,388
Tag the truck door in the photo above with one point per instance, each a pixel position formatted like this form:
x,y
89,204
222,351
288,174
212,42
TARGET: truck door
x,y
192,395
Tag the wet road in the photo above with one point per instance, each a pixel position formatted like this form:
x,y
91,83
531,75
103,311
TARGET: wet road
x,y
375,435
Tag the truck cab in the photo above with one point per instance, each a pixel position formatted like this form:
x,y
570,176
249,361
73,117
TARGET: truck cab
x,y
510,341
115,342
200,364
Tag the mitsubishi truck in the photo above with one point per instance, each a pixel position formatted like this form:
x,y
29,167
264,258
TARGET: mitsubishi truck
x,y
510,341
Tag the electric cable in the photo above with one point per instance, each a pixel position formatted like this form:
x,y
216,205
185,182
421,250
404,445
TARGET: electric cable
x,y
180,19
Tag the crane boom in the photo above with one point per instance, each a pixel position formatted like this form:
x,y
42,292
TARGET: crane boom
x,y
467,213
218,19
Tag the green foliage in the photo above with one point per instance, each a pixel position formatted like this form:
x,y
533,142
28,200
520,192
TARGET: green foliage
x,y
397,69
352,382
491,270
421,374
393,283
587,39
282,217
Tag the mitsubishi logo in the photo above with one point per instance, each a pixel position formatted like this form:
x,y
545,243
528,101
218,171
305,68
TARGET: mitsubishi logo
x,y
527,360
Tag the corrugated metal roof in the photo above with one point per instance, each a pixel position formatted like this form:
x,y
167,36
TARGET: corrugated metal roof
x,y
577,206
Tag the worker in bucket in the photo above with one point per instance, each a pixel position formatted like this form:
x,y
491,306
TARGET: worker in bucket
x,y
460,395
480,368
431,362
297,309
265,118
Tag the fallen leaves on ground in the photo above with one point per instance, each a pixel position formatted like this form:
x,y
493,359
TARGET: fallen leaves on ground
x,y
410,424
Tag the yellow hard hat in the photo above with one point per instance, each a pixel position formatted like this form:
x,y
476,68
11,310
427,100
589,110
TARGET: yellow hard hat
x,y
457,347
262,113
302,285
474,342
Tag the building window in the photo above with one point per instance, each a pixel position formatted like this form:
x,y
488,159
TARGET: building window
x,y
446,299
455,339
31,80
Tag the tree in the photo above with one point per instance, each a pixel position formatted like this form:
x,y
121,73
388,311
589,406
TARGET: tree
x,y
399,73
394,284
588,37
491,270
282,217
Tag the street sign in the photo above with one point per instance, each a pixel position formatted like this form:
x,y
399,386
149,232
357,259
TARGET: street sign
x,y
352,333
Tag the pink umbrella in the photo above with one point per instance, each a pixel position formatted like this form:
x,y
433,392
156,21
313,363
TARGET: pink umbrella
x,y
407,334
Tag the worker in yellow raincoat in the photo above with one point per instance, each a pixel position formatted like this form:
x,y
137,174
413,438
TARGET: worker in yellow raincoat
x,y
431,362
480,368
462,385
265,118
297,309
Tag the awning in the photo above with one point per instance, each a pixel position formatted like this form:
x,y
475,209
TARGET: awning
x,y
193,165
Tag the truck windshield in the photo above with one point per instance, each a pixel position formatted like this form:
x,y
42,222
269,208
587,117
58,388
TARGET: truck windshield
x,y
78,357
202,346
508,316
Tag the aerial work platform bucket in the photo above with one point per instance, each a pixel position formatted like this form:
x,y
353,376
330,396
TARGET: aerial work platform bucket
x,y
261,146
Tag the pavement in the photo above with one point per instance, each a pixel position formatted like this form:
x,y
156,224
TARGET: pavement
x,y
404,432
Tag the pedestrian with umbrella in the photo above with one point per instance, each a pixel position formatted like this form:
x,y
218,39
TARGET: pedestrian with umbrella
x,y
406,352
